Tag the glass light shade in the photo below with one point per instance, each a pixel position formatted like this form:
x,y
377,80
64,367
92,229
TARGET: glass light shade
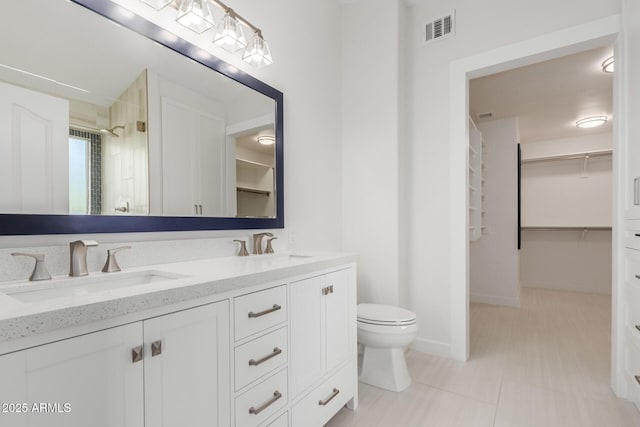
x,y
257,53
229,35
591,122
195,15
157,4
266,139
607,65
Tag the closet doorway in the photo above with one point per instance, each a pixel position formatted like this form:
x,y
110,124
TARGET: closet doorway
x,y
540,209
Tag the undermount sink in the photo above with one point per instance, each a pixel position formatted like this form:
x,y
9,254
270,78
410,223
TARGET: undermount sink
x,y
78,286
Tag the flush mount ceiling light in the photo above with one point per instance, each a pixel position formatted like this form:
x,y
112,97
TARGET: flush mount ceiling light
x,y
607,65
196,15
266,139
591,122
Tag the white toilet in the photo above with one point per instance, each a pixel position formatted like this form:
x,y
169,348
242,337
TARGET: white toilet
x,y
385,331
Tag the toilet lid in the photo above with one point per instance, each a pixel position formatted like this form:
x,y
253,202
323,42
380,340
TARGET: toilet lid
x,y
385,314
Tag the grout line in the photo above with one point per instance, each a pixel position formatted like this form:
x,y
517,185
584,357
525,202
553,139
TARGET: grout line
x,y
495,415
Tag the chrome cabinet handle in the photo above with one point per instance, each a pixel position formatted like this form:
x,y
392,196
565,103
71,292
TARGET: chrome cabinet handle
x,y
275,307
276,351
255,411
136,354
327,290
329,398
156,348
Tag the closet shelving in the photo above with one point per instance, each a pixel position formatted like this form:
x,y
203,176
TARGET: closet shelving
x,y
569,156
476,182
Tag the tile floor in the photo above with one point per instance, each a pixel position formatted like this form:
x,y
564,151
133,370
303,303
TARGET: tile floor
x,y
545,364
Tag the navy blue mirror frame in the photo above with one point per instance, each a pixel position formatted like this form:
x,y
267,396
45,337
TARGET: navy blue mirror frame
x,y
31,224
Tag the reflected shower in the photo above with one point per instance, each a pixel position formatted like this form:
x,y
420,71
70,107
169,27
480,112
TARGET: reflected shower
x,y
112,131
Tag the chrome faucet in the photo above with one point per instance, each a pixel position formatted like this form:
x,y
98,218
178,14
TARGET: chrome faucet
x,y
78,261
257,242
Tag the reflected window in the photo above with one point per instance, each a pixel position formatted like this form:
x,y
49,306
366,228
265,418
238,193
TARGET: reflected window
x,y
85,172
79,175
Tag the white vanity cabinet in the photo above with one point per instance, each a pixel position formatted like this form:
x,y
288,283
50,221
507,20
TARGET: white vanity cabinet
x,y
165,371
323,342
91,379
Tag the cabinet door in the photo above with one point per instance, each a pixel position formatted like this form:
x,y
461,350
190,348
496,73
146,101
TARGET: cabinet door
x,y
88,380
631,85
337,318
306,327
187,380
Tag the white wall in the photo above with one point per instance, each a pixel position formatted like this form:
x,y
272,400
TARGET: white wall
x,y
481,26
371,145
494,259
305,56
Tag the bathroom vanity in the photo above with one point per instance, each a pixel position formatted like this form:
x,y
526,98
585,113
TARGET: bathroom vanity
x,y
264,340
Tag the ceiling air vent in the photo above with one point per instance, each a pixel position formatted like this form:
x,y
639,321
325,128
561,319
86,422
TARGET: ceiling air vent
x,y
485,115
440,27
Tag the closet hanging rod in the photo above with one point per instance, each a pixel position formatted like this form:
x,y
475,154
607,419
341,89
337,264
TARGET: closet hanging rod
x,y
564,228
571,156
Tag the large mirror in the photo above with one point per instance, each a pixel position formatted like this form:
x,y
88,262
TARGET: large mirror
x,y
106,129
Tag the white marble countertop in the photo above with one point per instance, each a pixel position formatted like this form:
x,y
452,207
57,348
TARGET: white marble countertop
x,y
195,279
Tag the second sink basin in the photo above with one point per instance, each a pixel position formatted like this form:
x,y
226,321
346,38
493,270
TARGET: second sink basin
x,y
78,286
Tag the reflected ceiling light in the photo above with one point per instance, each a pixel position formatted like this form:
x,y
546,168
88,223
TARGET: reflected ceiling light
x,y
591,122
266,139
257,52
195,15
157,4
607,65
229,35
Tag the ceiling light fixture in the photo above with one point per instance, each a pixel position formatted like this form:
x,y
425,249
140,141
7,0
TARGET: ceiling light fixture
x,y
196,15
607,65
591,122
266,139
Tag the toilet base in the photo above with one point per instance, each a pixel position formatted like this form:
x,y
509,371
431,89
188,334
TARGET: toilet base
x,y
385,368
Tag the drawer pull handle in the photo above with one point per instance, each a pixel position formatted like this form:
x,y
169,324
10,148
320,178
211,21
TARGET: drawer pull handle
x,y
637,276
637,234
327,290
275,307
638,327
156,348
333,394
276,351
255,411
136,354
638,378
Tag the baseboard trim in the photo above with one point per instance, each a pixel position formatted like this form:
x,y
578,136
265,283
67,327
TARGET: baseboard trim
x,y
436,348
495,300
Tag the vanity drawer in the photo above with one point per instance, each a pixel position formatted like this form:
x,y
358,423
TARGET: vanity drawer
x,y
632,266
260,310
281,421
262,401
260,356
633,373
633,309
632,236
325,400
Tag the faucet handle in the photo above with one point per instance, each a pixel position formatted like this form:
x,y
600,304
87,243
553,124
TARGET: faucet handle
x,y
40,271
243,248
269,249
111,265
85,243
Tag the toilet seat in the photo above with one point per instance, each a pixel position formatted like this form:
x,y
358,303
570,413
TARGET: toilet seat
x,y
385,315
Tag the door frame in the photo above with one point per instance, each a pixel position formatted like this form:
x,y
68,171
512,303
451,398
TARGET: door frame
x,y
598,33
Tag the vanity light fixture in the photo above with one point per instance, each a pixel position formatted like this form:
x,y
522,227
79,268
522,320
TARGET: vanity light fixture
x,y
229,35
266,139
607,65
591,122
157,4
196,15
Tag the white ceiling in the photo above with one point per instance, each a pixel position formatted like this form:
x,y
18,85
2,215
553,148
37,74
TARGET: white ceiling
x,y
548,97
